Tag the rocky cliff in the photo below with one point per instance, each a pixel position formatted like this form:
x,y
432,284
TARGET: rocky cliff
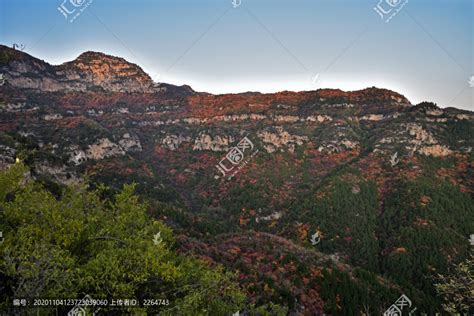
x,y
90,71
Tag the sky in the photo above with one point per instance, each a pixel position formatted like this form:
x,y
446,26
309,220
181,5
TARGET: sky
x,y
422,49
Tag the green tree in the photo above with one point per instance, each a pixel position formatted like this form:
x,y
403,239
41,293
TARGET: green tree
x,y
457,288
81,243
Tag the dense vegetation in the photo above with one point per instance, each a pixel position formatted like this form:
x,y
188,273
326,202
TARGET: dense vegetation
x,y
82,244
421,233
387,187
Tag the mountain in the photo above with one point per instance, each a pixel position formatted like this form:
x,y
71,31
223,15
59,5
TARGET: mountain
x,y
91,71
248,179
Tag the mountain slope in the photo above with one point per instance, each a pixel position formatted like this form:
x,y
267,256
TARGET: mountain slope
x,y
387,185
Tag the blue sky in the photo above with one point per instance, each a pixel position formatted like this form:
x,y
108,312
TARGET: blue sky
x,y
425,52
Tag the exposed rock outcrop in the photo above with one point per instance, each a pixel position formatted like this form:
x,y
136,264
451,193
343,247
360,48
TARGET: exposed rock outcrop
x,y
101,149
279,139
216,143
90,71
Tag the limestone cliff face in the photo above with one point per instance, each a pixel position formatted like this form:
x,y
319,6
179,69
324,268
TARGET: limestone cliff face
x,y
207,142
104,148
100,109
436,151
280,139
108,72
90,71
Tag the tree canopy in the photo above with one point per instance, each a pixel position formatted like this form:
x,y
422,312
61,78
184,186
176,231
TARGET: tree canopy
x,y
82,243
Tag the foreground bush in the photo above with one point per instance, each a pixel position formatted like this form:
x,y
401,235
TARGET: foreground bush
x,y
81,243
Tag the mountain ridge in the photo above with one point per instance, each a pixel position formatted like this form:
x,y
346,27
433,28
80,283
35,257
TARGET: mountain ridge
x,y
86,61
386,185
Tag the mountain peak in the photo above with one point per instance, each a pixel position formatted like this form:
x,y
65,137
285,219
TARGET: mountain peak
x,y
89,71
109,72
91,56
